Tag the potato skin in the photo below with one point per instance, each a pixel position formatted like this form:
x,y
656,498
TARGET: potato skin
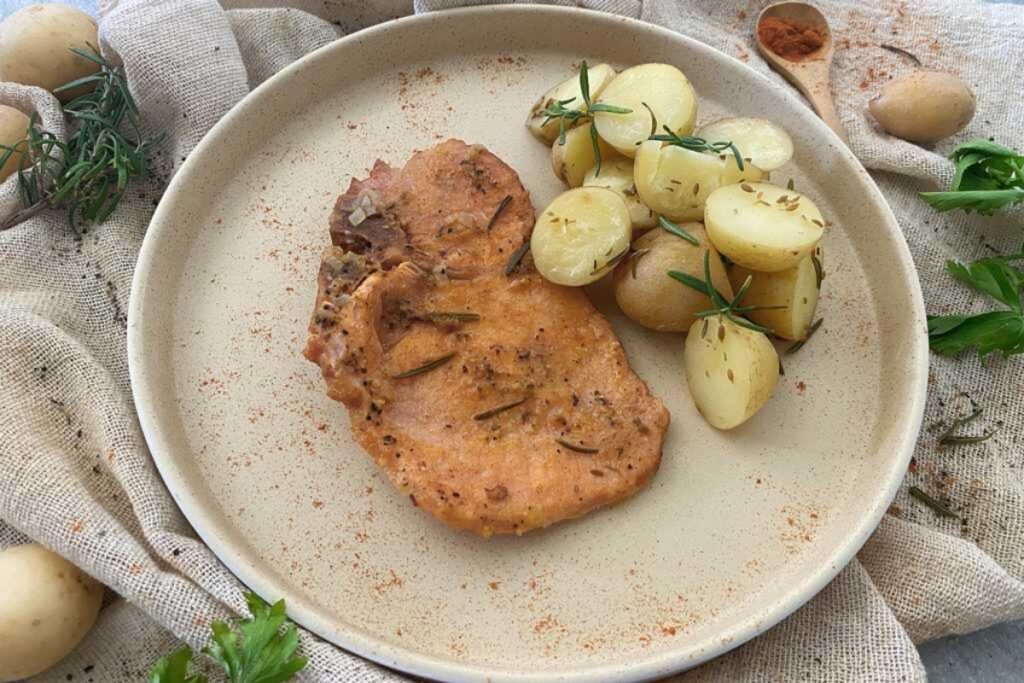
x,y
47,605
35,47
655,300
13,124
575,158
924,106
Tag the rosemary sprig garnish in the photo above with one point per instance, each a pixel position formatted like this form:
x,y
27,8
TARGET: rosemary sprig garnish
x,y
670,227
89,173
450,316
796,346
499,409
579,449
790,185
722,306
558,110
819,270
940,508
634,259
610,263
426,367
950,438
698,144
497,212
516,258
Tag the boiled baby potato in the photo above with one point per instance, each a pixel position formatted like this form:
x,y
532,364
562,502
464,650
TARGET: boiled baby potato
x,y
731,371
13,125
617,175
676,182
598,77
47,605
765,144
661,87
645,292
35,47
924,106
796,288
572,160
762,227
580,236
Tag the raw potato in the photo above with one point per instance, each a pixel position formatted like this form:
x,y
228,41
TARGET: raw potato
x,y
766,144
663,88
731,371
924,106
676,182
47,605
597,76
579,234
763,227
572,160
13,125
655,300
35,47
617,175
795,288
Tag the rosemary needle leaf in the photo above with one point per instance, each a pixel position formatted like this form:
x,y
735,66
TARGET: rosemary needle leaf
x,y
498,410
670,227
497,212
426,367
796,346
451,316
516,258
940,508
579,449
634,259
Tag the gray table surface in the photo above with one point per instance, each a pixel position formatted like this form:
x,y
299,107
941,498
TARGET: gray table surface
x,y
994,654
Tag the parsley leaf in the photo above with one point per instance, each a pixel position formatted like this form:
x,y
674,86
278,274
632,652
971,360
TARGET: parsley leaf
x,y
986,332
174,668
260,651
988,177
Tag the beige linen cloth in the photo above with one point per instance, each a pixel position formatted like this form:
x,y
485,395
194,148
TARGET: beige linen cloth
x,y
75,474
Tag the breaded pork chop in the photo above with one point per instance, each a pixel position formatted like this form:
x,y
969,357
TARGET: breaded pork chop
x,y
498,403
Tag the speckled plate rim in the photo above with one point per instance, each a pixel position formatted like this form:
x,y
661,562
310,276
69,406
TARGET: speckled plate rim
x,y
686,656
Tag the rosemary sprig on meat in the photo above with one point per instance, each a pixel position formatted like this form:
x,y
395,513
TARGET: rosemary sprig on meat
x,y
558,111
579,449
487,414
426,367
497,212
517,257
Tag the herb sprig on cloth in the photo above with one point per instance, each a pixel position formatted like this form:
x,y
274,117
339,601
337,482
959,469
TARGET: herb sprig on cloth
x,y
259,652
988,177
999,330
89,173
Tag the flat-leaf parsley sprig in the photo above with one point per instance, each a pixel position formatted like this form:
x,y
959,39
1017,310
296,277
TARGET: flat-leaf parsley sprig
x,y
988,177
999,330
558,111
260,651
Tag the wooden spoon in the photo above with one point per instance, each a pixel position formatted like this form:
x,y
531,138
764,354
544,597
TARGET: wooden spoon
x,y
811,74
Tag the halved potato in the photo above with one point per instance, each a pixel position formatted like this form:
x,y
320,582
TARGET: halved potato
x,y
617,175
598,76
766,144
580,235
762,227
572,160
645,292
796,288
663,88
676,182
731,371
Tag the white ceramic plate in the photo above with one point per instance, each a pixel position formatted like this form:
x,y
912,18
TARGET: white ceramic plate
x,y
737,530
